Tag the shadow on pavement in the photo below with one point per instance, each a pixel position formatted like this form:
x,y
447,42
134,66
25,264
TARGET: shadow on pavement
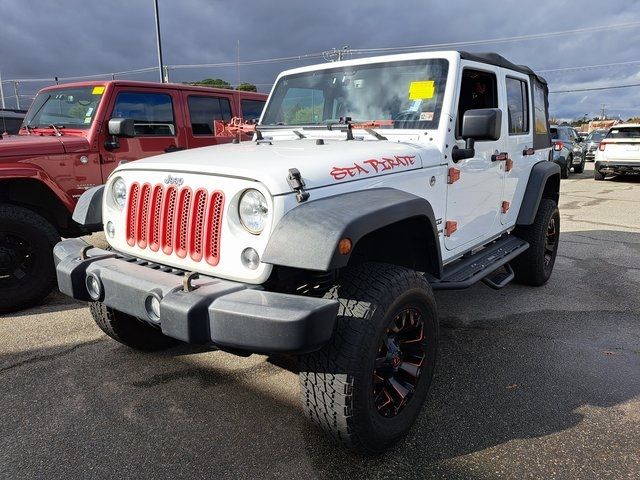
x,y
516,371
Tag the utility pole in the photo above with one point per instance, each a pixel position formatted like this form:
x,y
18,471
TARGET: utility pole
x,y
161,70
15,90
603,112
1,92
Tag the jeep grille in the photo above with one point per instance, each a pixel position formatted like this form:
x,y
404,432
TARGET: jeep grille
x,y
175,220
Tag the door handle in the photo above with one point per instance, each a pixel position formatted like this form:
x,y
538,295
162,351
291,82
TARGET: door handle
x,y
528,151
173,148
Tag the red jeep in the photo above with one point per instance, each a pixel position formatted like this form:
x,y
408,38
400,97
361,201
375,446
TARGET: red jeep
x,y
72,137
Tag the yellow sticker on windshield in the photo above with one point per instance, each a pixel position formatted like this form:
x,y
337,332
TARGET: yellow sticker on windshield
x,y
422,90
98,90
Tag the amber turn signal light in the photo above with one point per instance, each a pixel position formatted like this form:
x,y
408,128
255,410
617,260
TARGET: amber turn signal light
x,y
344,247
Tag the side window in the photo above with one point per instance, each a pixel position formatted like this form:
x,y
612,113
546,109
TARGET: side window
x,y
203,111
151,112
251,109
478,89
540,112
518,106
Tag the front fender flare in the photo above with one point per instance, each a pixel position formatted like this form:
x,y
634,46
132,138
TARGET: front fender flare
x,y
307,236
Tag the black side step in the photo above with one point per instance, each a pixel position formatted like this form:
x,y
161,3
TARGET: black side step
x,y
469,270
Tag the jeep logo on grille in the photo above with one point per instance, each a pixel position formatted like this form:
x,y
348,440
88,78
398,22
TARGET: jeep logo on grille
x,y
173,180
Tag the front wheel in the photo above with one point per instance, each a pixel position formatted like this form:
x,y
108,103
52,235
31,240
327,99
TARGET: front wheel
x,y
27,273
597,175
579,168
367,385
534,266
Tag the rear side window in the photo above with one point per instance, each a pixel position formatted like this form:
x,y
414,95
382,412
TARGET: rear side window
x,y
251,109
152,113
518,106
624,132
203,111
540,109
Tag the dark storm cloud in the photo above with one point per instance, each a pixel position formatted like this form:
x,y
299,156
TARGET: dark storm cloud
x,y
67,38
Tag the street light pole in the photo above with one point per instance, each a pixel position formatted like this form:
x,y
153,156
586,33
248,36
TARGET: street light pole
x,y
163,78
1,92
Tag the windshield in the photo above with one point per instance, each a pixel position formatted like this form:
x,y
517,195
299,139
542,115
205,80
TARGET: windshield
x,y
625,132
401,94
596,136
65,107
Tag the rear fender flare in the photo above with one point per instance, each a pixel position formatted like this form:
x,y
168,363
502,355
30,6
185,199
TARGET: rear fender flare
x,y
544,180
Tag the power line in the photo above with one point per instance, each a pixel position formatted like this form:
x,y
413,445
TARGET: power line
x,y
534,36
612,87
587,67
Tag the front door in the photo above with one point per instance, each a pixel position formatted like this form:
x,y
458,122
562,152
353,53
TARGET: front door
x,y
475,190
159,128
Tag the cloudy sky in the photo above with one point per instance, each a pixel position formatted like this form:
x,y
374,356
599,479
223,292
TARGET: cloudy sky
x,y
43,39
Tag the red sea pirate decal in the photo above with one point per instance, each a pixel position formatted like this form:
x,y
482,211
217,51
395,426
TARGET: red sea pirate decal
x,y
372,166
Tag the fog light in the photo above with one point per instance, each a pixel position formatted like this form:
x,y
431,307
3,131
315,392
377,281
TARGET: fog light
x,y
250,258
111,230
94,288
152,305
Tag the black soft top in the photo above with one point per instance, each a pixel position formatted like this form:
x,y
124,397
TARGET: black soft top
x,y
500,61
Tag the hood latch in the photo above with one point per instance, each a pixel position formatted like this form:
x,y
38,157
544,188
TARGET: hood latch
x,y
295,181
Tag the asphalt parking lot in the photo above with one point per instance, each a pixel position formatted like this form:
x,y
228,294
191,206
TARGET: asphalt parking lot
x,y
531,383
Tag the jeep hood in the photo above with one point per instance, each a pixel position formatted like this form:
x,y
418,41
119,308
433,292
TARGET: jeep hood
x,y
36,145
334,162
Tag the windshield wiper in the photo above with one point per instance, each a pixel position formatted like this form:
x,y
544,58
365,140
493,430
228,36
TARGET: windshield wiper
x,y
56,129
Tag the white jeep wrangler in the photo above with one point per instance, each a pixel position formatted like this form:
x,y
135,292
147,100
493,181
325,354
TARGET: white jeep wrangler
x,y
369,184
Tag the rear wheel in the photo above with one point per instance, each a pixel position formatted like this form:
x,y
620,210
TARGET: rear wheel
x,y
597,175
27,272
367,385
534,266
128,330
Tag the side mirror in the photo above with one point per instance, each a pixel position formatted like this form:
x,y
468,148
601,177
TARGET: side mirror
x,y
477,125
122,127
482,124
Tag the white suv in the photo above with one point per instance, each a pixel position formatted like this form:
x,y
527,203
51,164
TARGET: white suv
x,y
370,183
619,151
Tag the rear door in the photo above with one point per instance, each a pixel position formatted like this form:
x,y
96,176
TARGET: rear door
x,y
159,126
202,111
518,140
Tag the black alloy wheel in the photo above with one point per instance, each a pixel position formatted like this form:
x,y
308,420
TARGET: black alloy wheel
x,y
399,362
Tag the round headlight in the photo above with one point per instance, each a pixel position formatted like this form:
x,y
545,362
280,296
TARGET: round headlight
x,y
119,192
253,211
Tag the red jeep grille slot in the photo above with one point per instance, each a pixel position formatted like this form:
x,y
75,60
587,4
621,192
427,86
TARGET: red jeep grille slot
x,y
168,218
214,216
155,218
141,224
132,214
175,220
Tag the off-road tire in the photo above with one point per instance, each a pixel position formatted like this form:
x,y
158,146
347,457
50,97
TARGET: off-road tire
x,y
128,330
337,381
530,267
27,235
579,168
597,175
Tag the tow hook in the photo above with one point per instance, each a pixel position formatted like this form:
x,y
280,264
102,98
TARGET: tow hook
x,y
295,181
187,286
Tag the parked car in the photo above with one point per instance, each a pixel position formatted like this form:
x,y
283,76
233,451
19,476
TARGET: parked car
x,y
590,145
73,137
619,152
10,121
567,149
326,237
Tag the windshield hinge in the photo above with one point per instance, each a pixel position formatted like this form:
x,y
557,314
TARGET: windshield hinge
x,y
295,181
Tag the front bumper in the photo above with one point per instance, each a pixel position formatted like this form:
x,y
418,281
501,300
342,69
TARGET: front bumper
x,y
216,312
620,168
